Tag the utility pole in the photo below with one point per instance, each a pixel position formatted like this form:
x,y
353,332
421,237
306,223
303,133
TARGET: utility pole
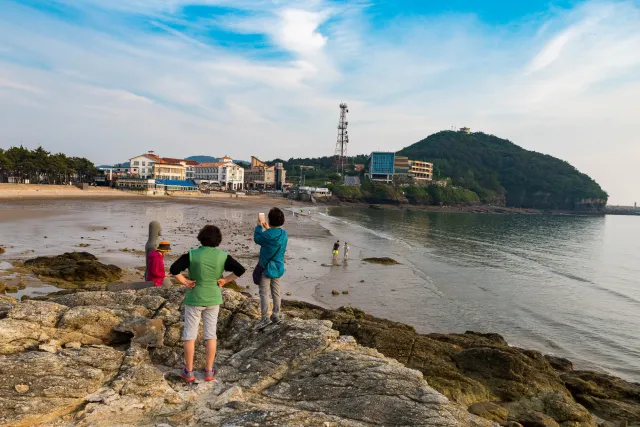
x,y
342,141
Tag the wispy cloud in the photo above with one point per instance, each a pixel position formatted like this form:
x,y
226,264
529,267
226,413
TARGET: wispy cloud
x,y
107,79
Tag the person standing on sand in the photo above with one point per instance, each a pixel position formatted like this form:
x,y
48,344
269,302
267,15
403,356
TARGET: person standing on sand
x,y
155,231
155,264
273,245
346,251
206,265
336,251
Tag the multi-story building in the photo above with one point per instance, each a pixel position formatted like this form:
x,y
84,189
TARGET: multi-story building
x,y
260,175
189,165
401,165
169,171
420,171
280,176
142,165
225,173
381,166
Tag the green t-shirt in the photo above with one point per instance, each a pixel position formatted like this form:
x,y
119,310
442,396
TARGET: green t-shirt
x,y
206,266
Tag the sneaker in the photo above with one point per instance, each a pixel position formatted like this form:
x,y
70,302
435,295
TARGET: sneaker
x,y
187,375
209,375
263,324
276,320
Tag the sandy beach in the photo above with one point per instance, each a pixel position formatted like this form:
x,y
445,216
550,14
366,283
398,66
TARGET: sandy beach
x,y
115,230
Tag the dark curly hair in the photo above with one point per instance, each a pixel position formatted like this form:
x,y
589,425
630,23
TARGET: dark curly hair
x,y
210,235
276,217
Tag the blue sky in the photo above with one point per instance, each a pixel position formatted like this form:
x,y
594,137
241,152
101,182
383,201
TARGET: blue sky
x,y
109,79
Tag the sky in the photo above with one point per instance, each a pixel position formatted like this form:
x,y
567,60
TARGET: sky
x,y
111,79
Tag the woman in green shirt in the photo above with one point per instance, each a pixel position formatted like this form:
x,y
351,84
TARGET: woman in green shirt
x,y
206,265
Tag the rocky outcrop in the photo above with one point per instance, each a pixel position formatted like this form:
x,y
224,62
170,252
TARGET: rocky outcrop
x,y
74,267
99,358
606,396
498,382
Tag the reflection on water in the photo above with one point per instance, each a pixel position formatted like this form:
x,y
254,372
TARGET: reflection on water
x,y
563,284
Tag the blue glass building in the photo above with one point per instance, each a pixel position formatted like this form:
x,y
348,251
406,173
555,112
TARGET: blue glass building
x,y
381,166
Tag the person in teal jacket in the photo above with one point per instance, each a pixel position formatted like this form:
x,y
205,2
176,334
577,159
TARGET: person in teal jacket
x,y
273,245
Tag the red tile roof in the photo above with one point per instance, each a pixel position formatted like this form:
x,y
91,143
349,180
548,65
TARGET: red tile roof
x,y
149,155
172,160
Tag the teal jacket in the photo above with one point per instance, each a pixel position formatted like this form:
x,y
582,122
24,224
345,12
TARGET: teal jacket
x,y
273,244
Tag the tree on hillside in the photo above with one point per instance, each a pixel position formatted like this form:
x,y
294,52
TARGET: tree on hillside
x,y
501,172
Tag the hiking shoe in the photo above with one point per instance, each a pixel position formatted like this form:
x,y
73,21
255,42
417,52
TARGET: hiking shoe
x,y
276,320
209,375
187,375
263,324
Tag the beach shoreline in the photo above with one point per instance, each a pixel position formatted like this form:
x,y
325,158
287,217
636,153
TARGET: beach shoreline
x,y
475,209
115,231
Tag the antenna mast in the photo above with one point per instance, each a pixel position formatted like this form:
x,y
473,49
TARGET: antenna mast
x,y
342,141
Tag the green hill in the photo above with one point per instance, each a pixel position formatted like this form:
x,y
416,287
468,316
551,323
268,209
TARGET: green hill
x,y
500,172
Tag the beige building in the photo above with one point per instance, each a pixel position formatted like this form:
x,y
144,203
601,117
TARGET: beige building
x,y
172,171
420,171
259,175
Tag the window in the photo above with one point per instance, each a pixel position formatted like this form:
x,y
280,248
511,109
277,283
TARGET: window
x,y
144,163
136,163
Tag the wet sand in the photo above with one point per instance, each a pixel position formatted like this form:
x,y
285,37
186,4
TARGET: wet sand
x,y
116,232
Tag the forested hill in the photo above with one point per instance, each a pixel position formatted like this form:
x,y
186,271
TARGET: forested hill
x,y
502,172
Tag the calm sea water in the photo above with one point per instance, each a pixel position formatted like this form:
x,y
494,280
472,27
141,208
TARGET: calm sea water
x,y
566,285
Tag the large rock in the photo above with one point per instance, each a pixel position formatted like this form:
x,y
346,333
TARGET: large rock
x,y
490,411
40,386
6,304
40,312
302,372
475,368
145,332
74,267
557,406
508,373
610,398
20,335
97,322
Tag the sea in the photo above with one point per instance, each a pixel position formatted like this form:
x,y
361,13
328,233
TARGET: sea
x,y
566,285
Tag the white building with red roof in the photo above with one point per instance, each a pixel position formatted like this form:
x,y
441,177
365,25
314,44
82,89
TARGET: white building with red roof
x,y
146,166
224,173
142,165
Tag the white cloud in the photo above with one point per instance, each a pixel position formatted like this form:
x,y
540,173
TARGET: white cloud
x,y
567,85
298,31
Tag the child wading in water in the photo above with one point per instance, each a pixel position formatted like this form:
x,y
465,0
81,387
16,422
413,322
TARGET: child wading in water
x,y
155,264
206,265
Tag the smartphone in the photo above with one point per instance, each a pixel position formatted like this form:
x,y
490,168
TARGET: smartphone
x,y
261,218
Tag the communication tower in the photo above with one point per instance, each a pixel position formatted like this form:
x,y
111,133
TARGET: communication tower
x,y
343,140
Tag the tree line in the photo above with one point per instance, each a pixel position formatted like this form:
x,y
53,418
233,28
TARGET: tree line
x,y
19,164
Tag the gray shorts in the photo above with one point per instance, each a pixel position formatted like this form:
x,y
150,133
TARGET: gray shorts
x,y
192,315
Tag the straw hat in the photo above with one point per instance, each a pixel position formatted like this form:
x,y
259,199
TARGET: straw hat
x,y
164,246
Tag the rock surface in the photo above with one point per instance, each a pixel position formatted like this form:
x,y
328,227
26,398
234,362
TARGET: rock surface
x,y
74,267
104,358
482,372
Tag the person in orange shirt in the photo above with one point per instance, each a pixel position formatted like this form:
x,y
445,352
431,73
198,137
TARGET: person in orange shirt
x,y
155,272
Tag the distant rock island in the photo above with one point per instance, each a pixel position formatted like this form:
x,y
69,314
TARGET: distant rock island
x,y
500,172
